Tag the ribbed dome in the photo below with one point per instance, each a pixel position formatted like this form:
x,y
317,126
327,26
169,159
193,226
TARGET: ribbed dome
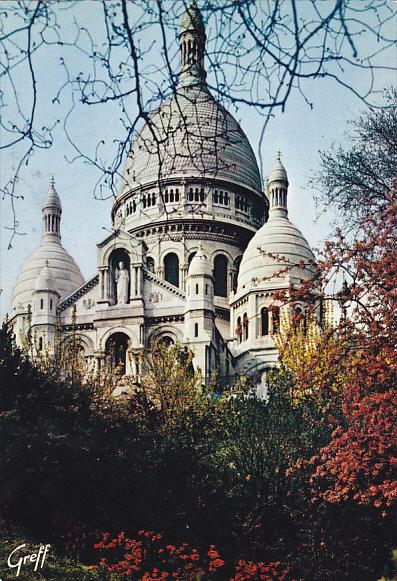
x,y
194,136
278,248
64,270
52,200
278,173
50,266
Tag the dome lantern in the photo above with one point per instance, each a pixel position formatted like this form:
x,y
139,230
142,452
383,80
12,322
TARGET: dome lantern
x,y
192,45
52,212
277,187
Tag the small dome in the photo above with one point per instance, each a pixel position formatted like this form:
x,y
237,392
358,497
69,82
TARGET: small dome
x,y
46,280
192,19
277,250
278,173
64,272
52,200
199,265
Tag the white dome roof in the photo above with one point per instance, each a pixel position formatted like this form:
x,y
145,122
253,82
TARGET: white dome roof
x,y
50,267
64,271
46,280
52,200
199,265
277,250
278,173
194,136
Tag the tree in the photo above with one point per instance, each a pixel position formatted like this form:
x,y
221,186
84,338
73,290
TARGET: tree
x,y
358,179
259,53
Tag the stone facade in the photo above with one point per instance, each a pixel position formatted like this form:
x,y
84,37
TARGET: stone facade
x,y
183,264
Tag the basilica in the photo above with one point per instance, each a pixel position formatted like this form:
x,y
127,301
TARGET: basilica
x,y
199,249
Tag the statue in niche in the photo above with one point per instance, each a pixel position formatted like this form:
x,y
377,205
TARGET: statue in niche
x,y
122,279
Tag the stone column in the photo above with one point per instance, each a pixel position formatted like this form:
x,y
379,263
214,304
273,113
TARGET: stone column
x,y
106,284
182,275
132,282
139,281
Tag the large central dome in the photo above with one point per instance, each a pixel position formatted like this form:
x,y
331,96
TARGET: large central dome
x,y
193,135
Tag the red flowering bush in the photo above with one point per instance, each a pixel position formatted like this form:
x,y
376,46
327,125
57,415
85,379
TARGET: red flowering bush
x,y
148,558
258,571
360,461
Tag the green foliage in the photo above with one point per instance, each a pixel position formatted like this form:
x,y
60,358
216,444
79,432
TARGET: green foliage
x,y
200,467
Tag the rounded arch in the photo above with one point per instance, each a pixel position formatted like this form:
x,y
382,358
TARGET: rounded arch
x,y
236,266
220,275
163,332
245,326
171,268
191,256
120,245
275,309
264,321
113,330
150,264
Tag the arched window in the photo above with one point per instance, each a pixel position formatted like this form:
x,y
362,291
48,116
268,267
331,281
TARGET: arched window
x,y
171,269
245,326
167,340
191,256
264,321
41,304
50,304
116,352
276,319
220,275
239,330
40,343
236,264
196,330
298,313
150,264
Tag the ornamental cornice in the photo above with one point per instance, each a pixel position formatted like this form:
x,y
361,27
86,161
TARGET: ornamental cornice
x,y
72,298
150,321
77,327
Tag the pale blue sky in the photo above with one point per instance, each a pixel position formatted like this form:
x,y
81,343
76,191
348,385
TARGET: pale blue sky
x,y
300,132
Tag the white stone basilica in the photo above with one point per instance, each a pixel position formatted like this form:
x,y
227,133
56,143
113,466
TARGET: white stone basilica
x,y
198,249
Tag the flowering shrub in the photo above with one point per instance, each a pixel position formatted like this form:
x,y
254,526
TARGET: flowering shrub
x,y
147,559
155,560
268,572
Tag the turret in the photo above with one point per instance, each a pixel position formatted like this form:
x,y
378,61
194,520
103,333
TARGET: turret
x,y
44,312
200,311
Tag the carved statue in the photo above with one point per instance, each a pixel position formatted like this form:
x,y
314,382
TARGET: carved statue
x,y
122,283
